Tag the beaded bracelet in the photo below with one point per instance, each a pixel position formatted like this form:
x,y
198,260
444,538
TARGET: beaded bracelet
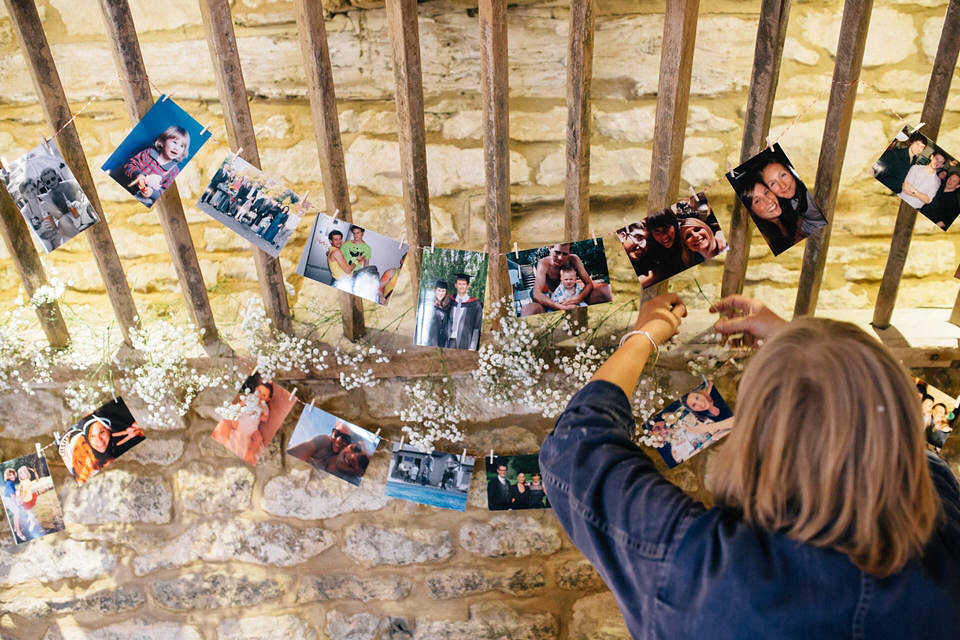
x,y
656,347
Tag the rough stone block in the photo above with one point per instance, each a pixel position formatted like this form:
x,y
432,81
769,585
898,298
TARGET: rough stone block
x,y
53,558
105,602
607,166
160,451
384,220
206,489
213,590
363,626
823,29
114,495
491,621
223,239
459,583
47,413
269,542
266,628
372,545
577,575
141,629
352,587
308,495
597,617
509,536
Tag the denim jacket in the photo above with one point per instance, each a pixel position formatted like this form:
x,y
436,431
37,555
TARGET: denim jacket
x,y
680,570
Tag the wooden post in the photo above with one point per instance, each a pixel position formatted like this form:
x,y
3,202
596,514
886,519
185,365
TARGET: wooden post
x,y
836,131
53,100
326,126
222,43
496,144
932,114
405,45
139,100
16,236
771,34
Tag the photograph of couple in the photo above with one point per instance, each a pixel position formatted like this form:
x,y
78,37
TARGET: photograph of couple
x,y
257,207
350,258
450,300
32,506
778,201
672,240
330,444
559,277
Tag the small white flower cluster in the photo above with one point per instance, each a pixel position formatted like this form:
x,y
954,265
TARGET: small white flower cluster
x,y
83,396
21,363
276,351
48,293
357,355
431,413
510,364
248,403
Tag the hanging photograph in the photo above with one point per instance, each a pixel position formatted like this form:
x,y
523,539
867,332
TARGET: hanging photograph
x,y
437,479
251,204
29,499
352,259
514,482
257,412
559,277
48,196
98,439
778,201
157,149
689,425
330,444
923,175
939,413
450,301
672,240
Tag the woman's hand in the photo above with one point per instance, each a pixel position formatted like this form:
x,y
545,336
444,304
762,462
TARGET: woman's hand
x,y
660,317
746,316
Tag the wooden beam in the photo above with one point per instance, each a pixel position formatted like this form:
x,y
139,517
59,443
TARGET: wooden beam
x,y
222,42
767,54
56,109
405,45
836,131
673,98
17,238
938,90
494,81
139,99
326,127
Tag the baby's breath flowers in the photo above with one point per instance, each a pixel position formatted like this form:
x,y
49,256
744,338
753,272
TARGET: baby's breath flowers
x,y
431,413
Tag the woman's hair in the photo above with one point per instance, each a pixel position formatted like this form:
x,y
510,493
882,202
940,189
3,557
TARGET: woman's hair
x,y
828,447
769,229
169,132
690,256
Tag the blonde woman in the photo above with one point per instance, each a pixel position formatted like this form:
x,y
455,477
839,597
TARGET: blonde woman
x,y
832,520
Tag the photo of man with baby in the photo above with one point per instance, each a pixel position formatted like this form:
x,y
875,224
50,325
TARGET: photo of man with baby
x,y
778,201
689,425
155,151
514,482
330,444
351,258
939,414
450,300
258,411
257,207
672,240
98,439
923,175
29,500
559,277
48,196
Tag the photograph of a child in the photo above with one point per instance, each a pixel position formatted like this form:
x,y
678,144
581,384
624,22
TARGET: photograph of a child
x,y
939,413
672,240
450,300
923,175
48,196
514,482
98,439
438,479
778,201
330,444
155,151
32,506
559,277
252,204
689,425
260,406
351,258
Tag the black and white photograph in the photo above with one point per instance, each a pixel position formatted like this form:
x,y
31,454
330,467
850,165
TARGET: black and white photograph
x,y
29,498
438,479
559,277
155,151
778,201
687,426
514,482
672,240
48,196
257,207
923,175
98,439
450,300
331,444
352,258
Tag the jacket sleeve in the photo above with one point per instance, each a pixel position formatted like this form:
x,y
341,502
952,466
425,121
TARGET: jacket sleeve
x,y
610,499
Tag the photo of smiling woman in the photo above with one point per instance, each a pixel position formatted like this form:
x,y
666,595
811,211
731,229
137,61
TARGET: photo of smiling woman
x,y
778,201
98,439
330,444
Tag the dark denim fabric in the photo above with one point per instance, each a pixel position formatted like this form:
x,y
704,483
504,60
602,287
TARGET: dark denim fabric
x,y
680,570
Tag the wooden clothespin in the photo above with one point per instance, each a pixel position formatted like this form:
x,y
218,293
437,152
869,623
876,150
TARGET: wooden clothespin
x,y
164,97
491,456
293,396
39,449
463,455
310,408
401,441
516,253
377,434
403,239
236,154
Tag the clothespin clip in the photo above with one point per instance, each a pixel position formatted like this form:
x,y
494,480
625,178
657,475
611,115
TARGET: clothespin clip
x,y
917,128
310,408
204,130
3,161
163,97
303,200
516,254
769,143
463,455
403,239
401,441
236,154
46,143
594,237
377,434
56,437
39,449
336,213
491,456
431,241
293,396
